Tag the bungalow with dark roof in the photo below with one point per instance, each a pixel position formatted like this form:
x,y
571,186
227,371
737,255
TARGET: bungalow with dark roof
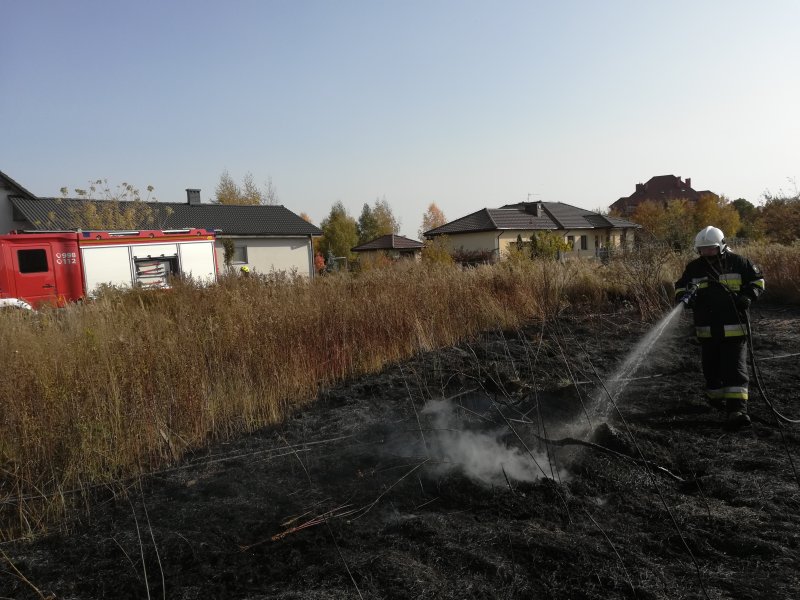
x,y
662,189
493,230
392,246
265,238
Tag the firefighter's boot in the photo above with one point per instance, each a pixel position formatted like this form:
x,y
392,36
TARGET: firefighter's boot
x,y
736,421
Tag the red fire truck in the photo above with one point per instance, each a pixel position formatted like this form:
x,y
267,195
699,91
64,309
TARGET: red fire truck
x,y
54,268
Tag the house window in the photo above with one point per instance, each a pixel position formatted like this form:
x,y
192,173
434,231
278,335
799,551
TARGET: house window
x,y
584,242
596,242
32,261
239,254
571,242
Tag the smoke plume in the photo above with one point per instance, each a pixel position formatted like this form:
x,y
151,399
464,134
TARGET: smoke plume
x,y
481,455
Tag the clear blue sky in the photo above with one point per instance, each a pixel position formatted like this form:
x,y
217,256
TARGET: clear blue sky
x,y
465,103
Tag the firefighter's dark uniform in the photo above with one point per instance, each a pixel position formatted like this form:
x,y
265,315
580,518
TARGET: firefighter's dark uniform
x,y
720,324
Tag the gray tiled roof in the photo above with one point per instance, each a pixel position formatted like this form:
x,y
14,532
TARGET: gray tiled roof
x,y
525,216
613,221
513,218
59,213
478,221
389,242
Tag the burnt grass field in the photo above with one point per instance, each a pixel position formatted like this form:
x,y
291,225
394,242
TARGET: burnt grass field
x,y
427,480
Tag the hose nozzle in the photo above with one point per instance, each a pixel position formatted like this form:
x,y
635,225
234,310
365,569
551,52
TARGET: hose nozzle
x,y
689,295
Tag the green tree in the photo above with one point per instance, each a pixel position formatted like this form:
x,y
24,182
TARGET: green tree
x,y
229,249
747,210
366,225
339,232
547,244
749,219
376,221
431,219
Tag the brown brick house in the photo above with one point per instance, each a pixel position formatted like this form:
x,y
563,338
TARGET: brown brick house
x,y
661,188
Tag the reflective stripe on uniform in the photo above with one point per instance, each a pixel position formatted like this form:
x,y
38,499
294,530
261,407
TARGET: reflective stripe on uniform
x,y
733,281
734,392
735,330
759,283
729,331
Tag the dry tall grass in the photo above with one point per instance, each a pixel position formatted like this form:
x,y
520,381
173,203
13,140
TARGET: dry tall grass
x,y
781,266
98,393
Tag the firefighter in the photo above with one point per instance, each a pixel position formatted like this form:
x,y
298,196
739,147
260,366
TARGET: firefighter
x,y
245,271
719,287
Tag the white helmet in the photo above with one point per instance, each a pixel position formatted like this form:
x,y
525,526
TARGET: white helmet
x,y
710,236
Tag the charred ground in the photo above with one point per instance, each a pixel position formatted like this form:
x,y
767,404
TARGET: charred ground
x,y
353,497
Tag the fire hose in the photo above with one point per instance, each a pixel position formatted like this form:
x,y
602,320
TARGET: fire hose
x,y
689,297
757,375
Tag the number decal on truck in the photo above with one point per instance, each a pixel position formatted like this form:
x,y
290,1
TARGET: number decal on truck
x,y
66,258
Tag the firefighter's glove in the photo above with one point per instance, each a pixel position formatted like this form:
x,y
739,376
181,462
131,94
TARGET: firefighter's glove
x,y
743,302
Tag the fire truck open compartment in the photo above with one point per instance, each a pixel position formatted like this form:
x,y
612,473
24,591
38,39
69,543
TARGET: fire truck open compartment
x,y
154,264
155,272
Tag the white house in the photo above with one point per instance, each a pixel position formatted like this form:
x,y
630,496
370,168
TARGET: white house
x,y
491,230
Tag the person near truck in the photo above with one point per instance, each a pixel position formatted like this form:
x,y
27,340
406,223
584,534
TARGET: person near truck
x,y
719,287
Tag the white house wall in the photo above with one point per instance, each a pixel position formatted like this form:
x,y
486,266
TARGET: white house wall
x,y
509,237
265,255
499,241
595,239
474,242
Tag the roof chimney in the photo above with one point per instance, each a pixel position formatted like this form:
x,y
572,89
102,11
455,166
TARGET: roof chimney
x,y
532,208
688,182
193,196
